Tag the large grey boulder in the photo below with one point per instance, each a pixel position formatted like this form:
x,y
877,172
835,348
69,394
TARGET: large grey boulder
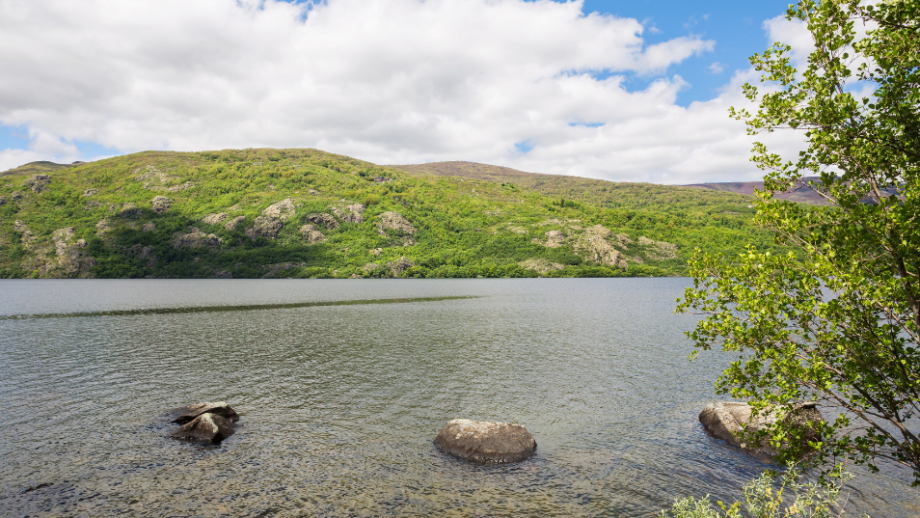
x,y
729,420
38,182
265,226
486,441
282,210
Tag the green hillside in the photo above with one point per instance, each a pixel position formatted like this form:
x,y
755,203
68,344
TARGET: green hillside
x,y
306,213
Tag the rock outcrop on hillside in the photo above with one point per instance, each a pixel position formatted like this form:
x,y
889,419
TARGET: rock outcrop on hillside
x,y
266,227
389,221
352,213
195,239
593,246
323,219
233,223
160,204
215,219
311,234
38,182
283,210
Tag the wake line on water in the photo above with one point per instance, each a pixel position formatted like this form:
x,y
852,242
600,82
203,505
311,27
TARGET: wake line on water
x,y
216,309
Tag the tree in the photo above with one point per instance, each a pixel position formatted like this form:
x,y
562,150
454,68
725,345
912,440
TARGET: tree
x,y
837,318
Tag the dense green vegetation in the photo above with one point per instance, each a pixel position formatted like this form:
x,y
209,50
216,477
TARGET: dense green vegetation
x,y
839,322
142,215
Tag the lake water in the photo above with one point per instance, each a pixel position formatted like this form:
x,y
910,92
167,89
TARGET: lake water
x,y
340,401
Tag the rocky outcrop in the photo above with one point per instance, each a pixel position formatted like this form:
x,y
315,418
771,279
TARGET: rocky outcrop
x,y
233,223
38,182
72,256
389,221
2,201
731,420
554,239
215,219
486,441
349,213
283,210
540,266
593,246
195,239
311,234
266,227
399,266
130,210
323,219
149,226
90,192
161,204
658,250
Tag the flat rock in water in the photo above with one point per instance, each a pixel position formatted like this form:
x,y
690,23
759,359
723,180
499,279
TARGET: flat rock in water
x,y
206,428
728,420
486,441
188,413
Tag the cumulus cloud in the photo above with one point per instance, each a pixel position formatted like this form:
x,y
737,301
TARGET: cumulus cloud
x,y
539,86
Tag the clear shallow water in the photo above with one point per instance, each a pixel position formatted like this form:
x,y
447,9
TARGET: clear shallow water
x,y
340,402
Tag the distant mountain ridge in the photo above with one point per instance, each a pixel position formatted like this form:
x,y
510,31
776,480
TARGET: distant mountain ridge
x,y
804,194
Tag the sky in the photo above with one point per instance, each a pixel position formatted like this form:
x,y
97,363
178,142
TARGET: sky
x,y
623,91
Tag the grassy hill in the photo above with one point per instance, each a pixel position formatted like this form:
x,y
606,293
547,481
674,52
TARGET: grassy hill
x,y
307,213
664,198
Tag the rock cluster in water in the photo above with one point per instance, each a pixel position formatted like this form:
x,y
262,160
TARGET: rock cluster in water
x,y
486,441
207,423
729,419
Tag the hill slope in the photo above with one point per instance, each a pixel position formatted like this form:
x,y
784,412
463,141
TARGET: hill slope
x,y
307,213
601,193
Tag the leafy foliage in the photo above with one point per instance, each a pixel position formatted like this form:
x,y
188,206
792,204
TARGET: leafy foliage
x,y
840,322
792,499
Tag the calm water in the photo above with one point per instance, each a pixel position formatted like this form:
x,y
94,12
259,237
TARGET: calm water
x,y
340,402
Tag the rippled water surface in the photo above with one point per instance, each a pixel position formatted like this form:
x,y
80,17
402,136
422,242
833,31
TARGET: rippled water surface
x,y
342,389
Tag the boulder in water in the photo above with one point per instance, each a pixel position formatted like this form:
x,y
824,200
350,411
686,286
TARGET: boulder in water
x,y
206,428
486,441
729,420
185,414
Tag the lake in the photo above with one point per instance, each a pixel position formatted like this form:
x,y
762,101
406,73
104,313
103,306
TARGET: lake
x,y
342,389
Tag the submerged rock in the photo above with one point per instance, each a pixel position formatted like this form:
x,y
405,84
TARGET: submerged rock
x,y
728,420
486,441
206,428
185,414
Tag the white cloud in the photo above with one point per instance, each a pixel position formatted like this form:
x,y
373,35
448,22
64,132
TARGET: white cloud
x,y
390,81
716,68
